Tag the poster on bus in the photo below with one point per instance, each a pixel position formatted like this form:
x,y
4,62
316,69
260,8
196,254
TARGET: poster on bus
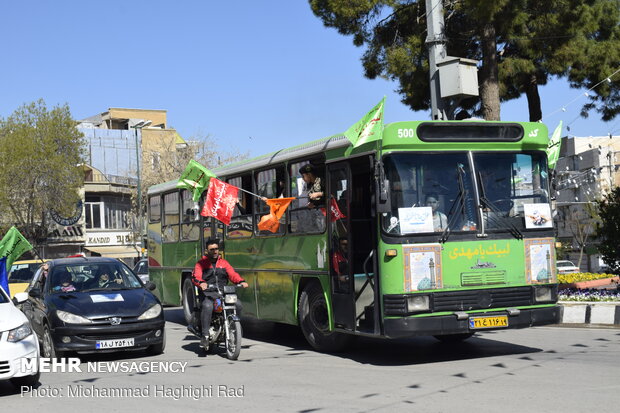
x,y
422,267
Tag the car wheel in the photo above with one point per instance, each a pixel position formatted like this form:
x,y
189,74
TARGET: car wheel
x,y
157,349
27,381
47,346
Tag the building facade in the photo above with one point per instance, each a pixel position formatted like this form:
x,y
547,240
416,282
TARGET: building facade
x,y
588,169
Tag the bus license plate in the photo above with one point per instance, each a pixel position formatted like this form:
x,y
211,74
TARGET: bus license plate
x,y
124,342
488,322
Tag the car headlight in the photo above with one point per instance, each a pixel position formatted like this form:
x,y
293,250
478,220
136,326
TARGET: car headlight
x,y
152,312
71,318
19,333
230,298
418,303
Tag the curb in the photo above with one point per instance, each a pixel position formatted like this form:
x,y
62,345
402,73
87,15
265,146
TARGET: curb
x,y
590,313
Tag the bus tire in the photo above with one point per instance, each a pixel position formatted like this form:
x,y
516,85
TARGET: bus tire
x,y
188,299
453,338
314,321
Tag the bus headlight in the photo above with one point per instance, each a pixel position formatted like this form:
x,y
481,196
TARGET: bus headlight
x,y
545,294
418,303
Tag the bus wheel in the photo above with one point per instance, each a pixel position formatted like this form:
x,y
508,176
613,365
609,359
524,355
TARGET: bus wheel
x,y
314,321
453,338
188,299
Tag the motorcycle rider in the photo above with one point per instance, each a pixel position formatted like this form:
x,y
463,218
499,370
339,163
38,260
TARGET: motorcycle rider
x,y
212,269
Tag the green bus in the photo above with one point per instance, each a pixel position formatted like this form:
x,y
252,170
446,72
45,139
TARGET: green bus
x,y
441,228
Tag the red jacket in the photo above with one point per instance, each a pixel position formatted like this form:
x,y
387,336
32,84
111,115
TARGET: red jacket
x,y
223,271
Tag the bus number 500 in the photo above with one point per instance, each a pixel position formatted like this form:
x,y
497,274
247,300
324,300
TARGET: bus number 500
x,y
405,133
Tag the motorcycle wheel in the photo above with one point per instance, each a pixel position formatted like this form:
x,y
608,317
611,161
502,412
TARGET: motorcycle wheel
x,y
233,341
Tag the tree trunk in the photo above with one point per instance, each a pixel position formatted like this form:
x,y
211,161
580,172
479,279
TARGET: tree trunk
x,y
533,99
489,86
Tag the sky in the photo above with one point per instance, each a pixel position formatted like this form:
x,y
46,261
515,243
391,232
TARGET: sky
x,y
257,76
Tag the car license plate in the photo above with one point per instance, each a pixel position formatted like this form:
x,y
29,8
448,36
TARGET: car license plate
x,y
488,322
123,342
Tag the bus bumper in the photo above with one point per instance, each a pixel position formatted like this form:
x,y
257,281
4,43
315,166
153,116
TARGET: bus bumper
x,y
451,324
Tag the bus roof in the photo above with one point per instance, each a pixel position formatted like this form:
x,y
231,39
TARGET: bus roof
x,y
308,148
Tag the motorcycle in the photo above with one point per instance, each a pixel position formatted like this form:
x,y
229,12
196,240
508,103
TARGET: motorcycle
x,y
225,324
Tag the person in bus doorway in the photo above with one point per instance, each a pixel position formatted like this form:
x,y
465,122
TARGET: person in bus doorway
x,y
209,271
340,263
440,221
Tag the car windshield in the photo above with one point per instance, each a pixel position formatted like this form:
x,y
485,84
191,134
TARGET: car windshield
x,y
91,277
565,264
22,273
3,297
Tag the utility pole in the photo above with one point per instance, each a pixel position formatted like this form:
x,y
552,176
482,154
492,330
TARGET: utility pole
x,y
436,44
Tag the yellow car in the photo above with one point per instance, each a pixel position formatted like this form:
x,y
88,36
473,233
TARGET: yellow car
x,y
21,274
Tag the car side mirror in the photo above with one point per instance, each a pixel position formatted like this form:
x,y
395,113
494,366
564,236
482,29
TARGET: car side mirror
x,y
35,293
150,286
20,298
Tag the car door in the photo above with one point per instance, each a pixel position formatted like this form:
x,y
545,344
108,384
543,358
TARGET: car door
x,y
35,307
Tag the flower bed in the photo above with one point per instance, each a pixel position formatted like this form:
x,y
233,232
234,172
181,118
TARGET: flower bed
x,y
583,287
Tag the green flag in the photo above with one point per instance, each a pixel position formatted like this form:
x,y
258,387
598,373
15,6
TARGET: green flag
x,y
13,245
195,178
553,148
369,128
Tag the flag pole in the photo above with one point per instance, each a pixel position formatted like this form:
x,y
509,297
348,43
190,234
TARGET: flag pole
x,y
251,193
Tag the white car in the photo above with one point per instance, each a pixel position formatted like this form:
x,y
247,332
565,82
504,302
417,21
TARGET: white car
x,y
18,342
566,267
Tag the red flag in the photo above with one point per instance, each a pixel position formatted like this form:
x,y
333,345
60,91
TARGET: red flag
x,y
334,212
277,207
221,200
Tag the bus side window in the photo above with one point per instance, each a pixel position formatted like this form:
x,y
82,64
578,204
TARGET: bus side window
x,y
170,225
307,216
190,227
270,184
241,223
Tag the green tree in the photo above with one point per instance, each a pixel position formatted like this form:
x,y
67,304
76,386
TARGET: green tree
x,y
40,153
521,44
608,230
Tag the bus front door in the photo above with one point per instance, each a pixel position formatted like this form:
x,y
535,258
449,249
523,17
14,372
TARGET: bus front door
x,y
351,238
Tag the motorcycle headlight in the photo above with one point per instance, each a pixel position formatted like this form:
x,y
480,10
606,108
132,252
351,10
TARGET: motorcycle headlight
x,y
230,299
152,312
19,333
71,318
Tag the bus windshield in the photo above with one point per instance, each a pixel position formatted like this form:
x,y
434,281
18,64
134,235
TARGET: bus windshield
x,y
513,190
436,192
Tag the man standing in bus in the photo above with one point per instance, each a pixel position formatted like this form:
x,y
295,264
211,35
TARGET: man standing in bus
x,y
209,271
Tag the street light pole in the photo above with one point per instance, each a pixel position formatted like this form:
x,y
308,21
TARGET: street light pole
x,y
137,126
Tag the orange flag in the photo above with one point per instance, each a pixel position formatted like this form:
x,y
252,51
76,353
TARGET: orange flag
x,y
277,207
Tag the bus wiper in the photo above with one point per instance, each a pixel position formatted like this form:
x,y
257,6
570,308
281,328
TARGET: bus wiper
x,y
458,201
499,219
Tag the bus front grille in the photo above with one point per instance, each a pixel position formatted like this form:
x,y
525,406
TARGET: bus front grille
x,y
481,299
396,305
